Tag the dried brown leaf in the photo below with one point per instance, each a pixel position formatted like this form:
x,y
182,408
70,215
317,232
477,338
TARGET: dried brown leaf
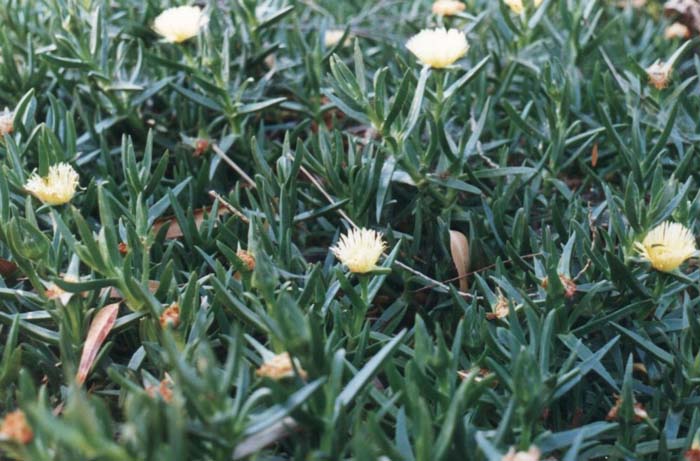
x,y
459,248
7,268
99,329
174,231
594,155
114,293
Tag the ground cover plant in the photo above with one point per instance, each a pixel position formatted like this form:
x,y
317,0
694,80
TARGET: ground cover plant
x,y
329,230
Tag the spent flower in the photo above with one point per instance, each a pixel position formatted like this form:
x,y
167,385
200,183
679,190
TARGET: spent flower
x,y
15,428
501,309
54,292
659,74
7,122
280,366
693,453
638,410
164,390
247,258
170,317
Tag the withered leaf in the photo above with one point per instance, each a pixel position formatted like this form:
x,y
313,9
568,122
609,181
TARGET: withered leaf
x,y
459,248
7,268
174,231
99,329
114,293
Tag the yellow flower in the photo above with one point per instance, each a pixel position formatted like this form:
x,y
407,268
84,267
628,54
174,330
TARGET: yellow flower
x,y
179,24
7,122
360,250
659,74
676,30
57,188
438,48
636,4
280,366
667,246
518,7
332,37
533,454
448,7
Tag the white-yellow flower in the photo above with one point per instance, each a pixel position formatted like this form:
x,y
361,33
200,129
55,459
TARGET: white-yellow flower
x,y
179,24
533,454
57,188
448,7
636,4
7,122
517,6
438,48
332,37
677,30
667,246
360,250
659,74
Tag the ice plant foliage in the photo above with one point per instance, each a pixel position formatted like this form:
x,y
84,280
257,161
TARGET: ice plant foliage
x,y
448,7
438,48
57,188
667,246
360,250
179,24
218,170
